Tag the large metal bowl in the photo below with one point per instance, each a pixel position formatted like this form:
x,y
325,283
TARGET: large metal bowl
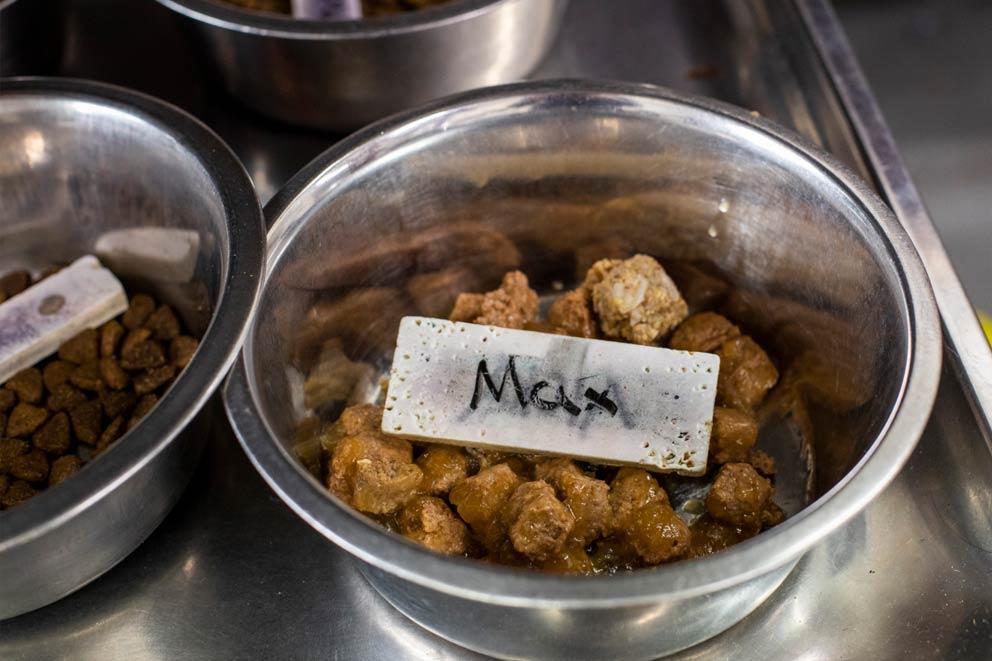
x,y
748,218
339,76
77,160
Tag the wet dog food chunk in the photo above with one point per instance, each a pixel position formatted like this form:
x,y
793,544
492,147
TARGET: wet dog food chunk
x,y
734,434
428,520
631,489
746,374
443,466
537,522
657,533
374,473
585,497
763,462
710,536
571,313
513,305
705,331
481,498
570,559
738,495
361,417
636,300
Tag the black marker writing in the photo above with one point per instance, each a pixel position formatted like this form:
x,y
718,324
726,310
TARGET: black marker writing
x,y
482,374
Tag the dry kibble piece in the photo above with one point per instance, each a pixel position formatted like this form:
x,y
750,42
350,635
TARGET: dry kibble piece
x,y
56,373
7,400
706,331
538,524
738,495
18,492
443,466
86,421
151,379
572,314
181,350
87,377
117,403
112,373
27,384
30,467
138,352
141,409
110,336
734,434
63,468
82,348
25,419
54,437
138,310
746,374
65,397
13,283
428,520
11,449
163,323
113,431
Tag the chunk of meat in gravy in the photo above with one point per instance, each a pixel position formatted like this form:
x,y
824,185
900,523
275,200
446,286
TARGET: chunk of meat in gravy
x,y
763,462
537,522
636,300
738,496
705,331
710,536
571,314
374,473
443,466
734,434
480,499
746,374
644,519
361,417
585,497
428,520
631,489
657,533
513,305
570,559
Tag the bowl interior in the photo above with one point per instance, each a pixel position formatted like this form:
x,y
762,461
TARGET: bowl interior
x,y
547,183
82,176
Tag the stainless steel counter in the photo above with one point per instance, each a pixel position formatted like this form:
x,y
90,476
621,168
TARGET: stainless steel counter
x,y
232,573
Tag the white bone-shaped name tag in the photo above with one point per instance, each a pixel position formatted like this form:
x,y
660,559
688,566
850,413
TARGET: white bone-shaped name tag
x,y
35,322
605,402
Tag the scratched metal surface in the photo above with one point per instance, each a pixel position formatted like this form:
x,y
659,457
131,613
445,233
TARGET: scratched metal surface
x,y
232,573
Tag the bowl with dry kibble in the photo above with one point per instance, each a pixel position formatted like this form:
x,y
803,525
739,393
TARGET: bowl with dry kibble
x,y
634,221
101,430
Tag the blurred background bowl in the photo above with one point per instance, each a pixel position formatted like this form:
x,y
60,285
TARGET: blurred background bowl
x,y
78,160
31,36
547,177
341,75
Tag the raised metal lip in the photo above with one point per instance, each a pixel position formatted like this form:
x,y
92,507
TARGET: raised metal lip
x,y
268,24
505,586
219,344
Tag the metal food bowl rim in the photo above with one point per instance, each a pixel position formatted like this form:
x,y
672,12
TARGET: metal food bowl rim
x,y
474,580
237,295
269,24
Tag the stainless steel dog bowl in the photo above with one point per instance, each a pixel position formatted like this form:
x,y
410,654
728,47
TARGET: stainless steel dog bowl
x,y
339,76
748,218
79,160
